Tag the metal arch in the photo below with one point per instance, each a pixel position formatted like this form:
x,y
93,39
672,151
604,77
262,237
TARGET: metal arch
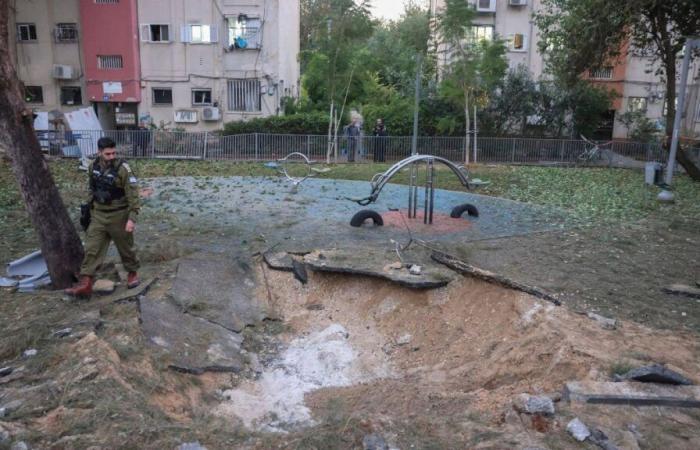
x,y
381,179
296,181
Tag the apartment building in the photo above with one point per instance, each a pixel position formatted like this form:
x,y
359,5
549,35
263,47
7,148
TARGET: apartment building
x,y
188,64
633,77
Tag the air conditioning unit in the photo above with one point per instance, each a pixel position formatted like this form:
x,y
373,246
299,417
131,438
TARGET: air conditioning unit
x,y
62,72
185,116
486,6
211,113
517,2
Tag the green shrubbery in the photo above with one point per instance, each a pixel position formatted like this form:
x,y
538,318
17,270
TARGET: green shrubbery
x,y
298,123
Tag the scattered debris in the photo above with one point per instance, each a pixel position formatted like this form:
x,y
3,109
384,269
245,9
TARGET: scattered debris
x,y
464,268
534,404
405,339
601,440
374,442
10,407
21,445
279,261
30,352
632,394
684,290
299,270
5,371
578,430
415,269
30,272
315,307
62,333
191,446
605,322
655,373
104,286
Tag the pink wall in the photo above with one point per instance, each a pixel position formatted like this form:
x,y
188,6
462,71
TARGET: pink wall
x,y
111,29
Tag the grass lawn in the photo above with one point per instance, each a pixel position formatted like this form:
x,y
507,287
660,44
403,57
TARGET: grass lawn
x,y
592,195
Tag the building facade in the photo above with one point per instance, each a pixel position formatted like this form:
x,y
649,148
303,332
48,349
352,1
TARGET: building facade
x,y
177,64
633,77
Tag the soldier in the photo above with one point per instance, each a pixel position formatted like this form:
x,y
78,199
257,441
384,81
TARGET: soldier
x,y
114,201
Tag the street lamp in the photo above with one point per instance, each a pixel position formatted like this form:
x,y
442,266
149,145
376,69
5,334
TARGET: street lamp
x,y
690,45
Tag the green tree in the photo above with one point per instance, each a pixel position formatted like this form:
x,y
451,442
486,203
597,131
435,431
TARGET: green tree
x,y
475,68
579,35
511,103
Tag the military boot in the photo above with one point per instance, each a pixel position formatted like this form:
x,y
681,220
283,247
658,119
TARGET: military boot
x,y
82,288
132,280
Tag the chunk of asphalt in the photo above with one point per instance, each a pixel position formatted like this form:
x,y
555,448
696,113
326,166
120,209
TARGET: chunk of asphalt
x,y
299,270
656,373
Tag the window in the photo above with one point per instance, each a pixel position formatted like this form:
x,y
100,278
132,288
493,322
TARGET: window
x,y
66,32
481,33
155,33
244,32
244,95
26,32
604,73
200,34
201,97
71,95
110,62
162,96
33,94
517,42
637,104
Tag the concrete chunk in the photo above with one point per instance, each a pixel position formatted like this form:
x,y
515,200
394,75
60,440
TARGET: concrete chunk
x,y
632,394
578,430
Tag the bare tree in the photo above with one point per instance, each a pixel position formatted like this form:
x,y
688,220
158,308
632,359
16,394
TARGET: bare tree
x,y
59,240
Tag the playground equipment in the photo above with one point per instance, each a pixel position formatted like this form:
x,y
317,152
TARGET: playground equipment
x,y
381,179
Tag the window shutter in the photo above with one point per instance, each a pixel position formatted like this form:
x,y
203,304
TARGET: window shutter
x,y
214,33
145,32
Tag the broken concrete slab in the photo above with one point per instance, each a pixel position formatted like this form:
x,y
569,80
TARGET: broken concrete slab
x,y
279,261
682,289
220,289
376,263
632,394
655,373
194,345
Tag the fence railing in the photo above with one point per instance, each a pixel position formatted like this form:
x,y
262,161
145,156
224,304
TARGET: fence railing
x,y
269,147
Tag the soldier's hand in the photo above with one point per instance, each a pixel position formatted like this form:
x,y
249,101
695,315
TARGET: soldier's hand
x,y
130,226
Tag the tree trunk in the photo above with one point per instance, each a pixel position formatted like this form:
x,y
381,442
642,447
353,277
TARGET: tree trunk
x,y
466,128
59,241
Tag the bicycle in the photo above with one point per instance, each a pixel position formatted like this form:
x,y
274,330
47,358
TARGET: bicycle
x,y
593,153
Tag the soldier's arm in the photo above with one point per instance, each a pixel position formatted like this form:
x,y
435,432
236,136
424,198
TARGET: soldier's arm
x,y
131,190
90,193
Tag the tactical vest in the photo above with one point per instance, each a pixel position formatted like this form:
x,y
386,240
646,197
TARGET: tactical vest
x,y
103,184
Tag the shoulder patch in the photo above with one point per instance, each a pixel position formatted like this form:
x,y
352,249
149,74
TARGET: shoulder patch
x,y
126,166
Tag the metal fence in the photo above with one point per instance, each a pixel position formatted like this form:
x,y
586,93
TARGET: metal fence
x,y
269,147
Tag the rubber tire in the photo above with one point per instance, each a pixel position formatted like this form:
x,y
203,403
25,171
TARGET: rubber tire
x,y
359,218
458,210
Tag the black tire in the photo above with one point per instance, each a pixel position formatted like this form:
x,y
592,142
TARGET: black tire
x,y
458,210
359,218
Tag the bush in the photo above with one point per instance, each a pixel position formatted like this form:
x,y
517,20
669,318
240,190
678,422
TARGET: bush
x,y
300,123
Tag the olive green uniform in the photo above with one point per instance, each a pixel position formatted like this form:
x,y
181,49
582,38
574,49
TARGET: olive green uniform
x,y
109,221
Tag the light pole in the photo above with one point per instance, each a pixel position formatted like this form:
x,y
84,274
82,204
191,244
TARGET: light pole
x,y
690,45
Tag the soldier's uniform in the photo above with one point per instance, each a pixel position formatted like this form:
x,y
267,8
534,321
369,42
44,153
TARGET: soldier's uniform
x,y
115,199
